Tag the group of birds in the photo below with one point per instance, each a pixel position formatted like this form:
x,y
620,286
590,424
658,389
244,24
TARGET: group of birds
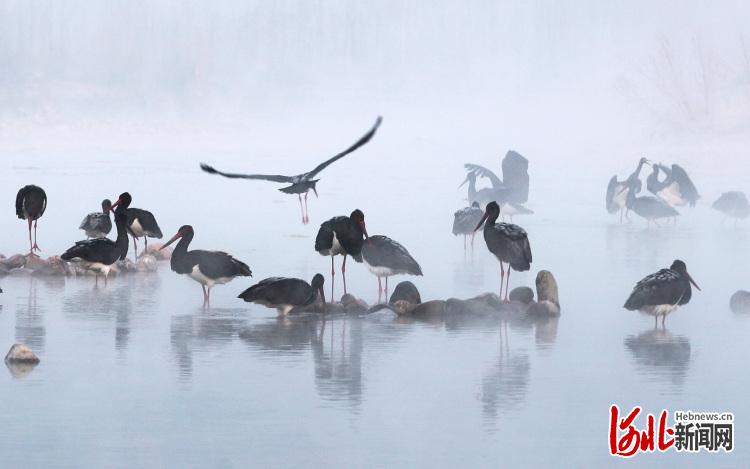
x,y
657,294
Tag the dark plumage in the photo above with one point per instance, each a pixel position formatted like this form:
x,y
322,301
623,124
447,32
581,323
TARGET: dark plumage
x,y
142,224
650,208
513,188
31,202
98,224
385,257
99,254
508,242
662,292
301,183
732,204
344,236
205,267
677,189
285,293
465,220
617,191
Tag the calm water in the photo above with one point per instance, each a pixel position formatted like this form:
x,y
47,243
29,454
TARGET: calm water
x,y
139,375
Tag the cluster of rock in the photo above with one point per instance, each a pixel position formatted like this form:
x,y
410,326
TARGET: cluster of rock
x,y
21,265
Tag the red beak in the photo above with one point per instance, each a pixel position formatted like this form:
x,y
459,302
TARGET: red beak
x,y
174,238
481,222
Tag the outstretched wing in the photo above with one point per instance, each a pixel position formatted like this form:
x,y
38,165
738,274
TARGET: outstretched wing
x,y
516,176
265,177
687,188
484,172
362,141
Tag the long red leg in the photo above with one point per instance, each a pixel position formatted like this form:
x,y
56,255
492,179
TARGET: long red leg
x,y
507,283
333,273
205,297
502,278
35,245
343,272
31,245
472,240
135,247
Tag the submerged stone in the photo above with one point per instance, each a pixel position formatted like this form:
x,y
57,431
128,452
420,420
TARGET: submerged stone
x,y
20,353
522,294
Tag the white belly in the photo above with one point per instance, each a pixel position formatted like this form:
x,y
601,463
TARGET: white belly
x,y
620,197
658,310
199,277
136,228
671,195
380,271
336,247
97,267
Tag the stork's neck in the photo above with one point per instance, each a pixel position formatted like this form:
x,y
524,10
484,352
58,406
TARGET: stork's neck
x,y
182,245
122,234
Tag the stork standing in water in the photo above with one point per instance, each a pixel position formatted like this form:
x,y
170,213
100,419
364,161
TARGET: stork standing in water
x,y
465,220
385,257
31,201
677,189
650,208
617,191
141,224
662,292
205,267
344,236
514,186
508,242
733,204
98,224
100,253
301,183
284,294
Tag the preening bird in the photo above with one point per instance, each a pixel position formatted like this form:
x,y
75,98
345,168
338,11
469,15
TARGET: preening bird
x,y
31,201
385,257
284,294
301,183
98,224
205,267
732,204
617,191
508,242
662,292
342,236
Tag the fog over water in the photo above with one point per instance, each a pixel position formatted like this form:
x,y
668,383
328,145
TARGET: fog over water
x,y
98,99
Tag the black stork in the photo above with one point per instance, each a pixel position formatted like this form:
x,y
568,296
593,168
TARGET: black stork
x,y
141,224
31,201
617,191
284,294
650,208
676,189
662,292
465,220
205,267
385,257
514,187
301,183
508,242
733,204
98,224
342,235
100,253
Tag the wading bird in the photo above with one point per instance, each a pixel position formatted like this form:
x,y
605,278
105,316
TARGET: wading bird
x,y
98,224
31,201
617,191
662,292
676,189
385,257
141,224
100,253
650,208
513,188
205,267
465,220
284,294
733,204
344,236
301,183
508,242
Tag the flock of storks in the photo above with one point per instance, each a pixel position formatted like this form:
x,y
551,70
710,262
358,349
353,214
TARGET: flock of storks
x,y
657,294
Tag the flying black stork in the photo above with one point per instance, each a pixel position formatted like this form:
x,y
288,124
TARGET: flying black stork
x,y
385,257
141,224
31,201
465,220
650,208
284,294
617,191
100,253
662,292
508,242
733,204
301,183
98,224
342,235
676,189
205,267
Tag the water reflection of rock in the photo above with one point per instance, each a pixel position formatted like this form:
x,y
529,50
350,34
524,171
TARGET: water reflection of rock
x,y
30,328
191,333
661,354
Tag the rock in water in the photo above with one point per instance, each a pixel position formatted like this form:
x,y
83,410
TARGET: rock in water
x,y
20,353
524,295
406,291
353,304
546,291
147,263
740,302
15,261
